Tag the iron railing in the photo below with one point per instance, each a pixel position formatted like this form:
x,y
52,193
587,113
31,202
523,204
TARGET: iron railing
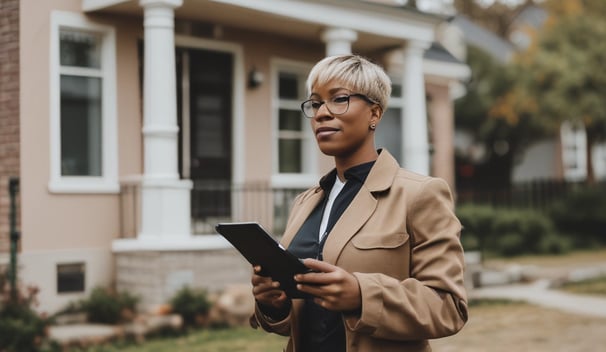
x,y
214,202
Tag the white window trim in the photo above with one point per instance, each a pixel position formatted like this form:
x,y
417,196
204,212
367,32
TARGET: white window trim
x,y
108,182
573,134
309,176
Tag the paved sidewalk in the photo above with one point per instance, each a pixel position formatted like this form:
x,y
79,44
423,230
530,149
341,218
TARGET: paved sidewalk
x,y
539,293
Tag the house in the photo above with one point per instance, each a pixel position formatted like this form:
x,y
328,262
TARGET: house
x,y
561,157
134,126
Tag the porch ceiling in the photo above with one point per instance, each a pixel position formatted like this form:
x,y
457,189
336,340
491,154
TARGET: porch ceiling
x,y
238,14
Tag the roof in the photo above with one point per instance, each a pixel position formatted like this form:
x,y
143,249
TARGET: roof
x,y
484,39
437,52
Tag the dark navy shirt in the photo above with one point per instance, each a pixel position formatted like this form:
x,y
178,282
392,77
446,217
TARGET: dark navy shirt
x,y
323,330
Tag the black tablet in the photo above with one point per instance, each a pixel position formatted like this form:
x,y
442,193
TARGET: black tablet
x,y
260,248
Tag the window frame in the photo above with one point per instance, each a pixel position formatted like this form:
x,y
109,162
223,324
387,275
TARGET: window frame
x,y
309,174
574,150
108,181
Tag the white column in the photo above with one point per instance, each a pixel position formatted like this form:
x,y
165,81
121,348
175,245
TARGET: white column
x,y
415,146
165,199
338,40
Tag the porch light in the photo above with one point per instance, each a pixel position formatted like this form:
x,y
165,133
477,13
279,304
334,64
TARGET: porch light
x,y
255,78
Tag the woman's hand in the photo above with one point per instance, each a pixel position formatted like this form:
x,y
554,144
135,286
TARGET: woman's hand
x,y
334,288
266,291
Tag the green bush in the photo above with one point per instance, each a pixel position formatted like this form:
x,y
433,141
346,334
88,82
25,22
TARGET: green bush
x,y
191,305
507,232
22,329
109,307
521,231
477,221
581,216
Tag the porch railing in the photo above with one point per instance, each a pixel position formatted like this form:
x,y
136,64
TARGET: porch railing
x,y
214,202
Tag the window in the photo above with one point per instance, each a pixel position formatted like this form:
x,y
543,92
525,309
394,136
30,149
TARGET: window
x,y
83,110
574,151
295,150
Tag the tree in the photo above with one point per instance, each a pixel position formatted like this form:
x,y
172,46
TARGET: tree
x,y
562,76
490,113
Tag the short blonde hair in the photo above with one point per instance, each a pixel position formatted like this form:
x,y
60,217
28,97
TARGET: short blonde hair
x,y
357,72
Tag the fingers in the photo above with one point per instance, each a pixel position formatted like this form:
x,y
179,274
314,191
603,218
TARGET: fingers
x,y
329,274
318,265
266,291
333,289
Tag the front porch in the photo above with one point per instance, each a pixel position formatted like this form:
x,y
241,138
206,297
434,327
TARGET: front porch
x,y
155,269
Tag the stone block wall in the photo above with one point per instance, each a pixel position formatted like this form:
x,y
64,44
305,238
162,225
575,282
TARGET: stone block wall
x,y
156,276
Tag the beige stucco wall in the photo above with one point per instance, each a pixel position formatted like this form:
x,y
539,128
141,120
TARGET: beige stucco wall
x,y
63,228
62,221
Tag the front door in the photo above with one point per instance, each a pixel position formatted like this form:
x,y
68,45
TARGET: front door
x,y
205,96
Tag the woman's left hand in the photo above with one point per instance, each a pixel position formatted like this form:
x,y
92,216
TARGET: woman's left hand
x,y
333,288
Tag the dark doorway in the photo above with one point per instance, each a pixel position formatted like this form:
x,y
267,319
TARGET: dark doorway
x,y
205,99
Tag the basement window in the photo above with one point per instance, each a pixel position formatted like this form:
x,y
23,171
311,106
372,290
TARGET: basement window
x,y
70,277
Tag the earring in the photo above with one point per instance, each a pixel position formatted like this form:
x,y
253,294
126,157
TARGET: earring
x,y
373,126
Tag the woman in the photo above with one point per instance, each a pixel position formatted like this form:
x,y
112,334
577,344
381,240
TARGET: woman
x,y
383,242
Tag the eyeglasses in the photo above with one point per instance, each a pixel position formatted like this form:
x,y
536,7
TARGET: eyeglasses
x,y
337,105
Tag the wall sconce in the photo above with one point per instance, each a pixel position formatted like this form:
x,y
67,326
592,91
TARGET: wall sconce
x,y
255,78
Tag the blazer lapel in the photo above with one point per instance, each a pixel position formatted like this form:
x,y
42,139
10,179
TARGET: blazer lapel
x,y
363,205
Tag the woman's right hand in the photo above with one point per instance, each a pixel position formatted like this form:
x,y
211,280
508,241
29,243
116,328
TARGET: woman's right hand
x,y
266,291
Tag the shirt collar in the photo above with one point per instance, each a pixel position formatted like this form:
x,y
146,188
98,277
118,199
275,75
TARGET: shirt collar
x,y
356,173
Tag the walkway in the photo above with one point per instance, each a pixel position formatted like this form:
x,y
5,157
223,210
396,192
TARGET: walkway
x,y
539,293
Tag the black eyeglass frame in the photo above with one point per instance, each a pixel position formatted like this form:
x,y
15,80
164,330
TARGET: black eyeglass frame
x,y
322,102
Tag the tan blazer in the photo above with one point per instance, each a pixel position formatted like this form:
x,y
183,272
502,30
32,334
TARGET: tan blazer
x,y
400,238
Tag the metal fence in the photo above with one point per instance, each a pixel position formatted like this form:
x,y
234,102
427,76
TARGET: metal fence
x,y
537,194
220,202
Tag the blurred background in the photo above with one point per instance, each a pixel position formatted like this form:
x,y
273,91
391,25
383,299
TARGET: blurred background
x,y
128,129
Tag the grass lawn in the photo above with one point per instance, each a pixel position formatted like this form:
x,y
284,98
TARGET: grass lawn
x,y
242,339
495,326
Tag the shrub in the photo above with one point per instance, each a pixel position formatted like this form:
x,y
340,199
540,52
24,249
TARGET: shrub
x,y
508,232
22,329
581,216
521,231
109,307
191,305
477,221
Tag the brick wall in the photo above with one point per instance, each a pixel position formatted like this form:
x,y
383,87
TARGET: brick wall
x,y
9,109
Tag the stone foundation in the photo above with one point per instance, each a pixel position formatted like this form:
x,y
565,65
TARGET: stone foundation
x,y
155,276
